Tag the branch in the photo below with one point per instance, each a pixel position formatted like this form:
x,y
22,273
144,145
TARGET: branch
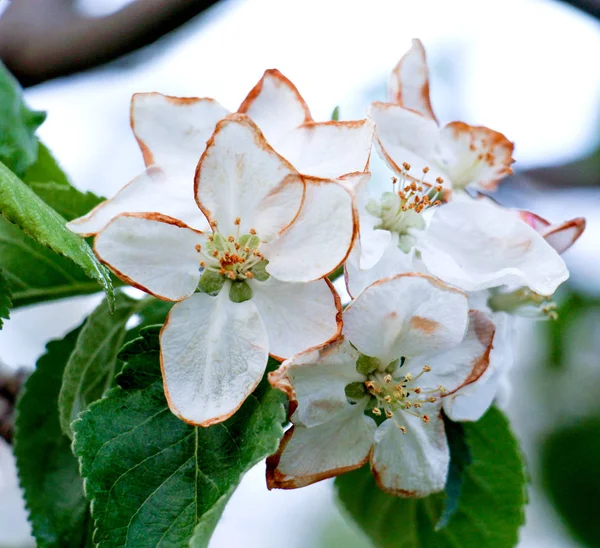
x,y
44,39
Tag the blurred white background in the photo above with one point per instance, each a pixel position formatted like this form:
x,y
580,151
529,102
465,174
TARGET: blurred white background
x,y
527,68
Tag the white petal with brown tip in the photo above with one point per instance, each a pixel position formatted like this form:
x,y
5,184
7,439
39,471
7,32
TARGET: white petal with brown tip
x,y
414,464
213,354
328,149
237,172
297,316
166,190
275,105
169,128
321,237
308,455
407,315
409,81
152,252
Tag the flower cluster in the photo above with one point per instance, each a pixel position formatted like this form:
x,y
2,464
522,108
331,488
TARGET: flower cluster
x,y
239,218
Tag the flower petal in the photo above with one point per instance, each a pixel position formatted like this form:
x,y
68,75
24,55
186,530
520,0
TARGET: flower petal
x,y
405,136
170,129
407,315
371,243
561,237
213,354
409,82
275,105
240,175
297,316
308,455
315,382
476,244
392,262
328,149
414,464
475,155
320,238
166,190
153,253
461,365
470,402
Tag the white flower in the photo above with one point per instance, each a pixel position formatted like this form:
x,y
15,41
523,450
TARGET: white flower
x,y
471,244
408,131
172,133
407,343
477,244
471,402
260,270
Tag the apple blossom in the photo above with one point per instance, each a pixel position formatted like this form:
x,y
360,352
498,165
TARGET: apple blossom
x,y
172,133
259,272
376,393
408,131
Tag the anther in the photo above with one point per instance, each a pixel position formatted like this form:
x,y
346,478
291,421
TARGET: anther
x,y
376,411
198,248
237,221
426,369
249,275
425,169
387,379
402,429
388,414
252,231
425,418
406,166
432,399
388,399
215,253
440,181
231,239
202,264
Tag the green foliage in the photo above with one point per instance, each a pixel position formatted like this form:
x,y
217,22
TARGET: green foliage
x,y
335,115
50,183
154,480
21,206
570,458
18,145
5,298
35,273
491,505
48,470
92,365
460,459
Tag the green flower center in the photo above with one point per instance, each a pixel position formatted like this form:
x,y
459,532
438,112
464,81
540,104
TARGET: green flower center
x,y
231,258
390,392
400,210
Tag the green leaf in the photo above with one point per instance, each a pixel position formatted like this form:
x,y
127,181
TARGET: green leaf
x,y
460,459
36,273
48,470
154,480
92,365
491,505
50,183
569,461
18,145
5,298
21,206
335,115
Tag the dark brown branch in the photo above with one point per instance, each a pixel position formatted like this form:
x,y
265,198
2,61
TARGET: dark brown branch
x,y
44,39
